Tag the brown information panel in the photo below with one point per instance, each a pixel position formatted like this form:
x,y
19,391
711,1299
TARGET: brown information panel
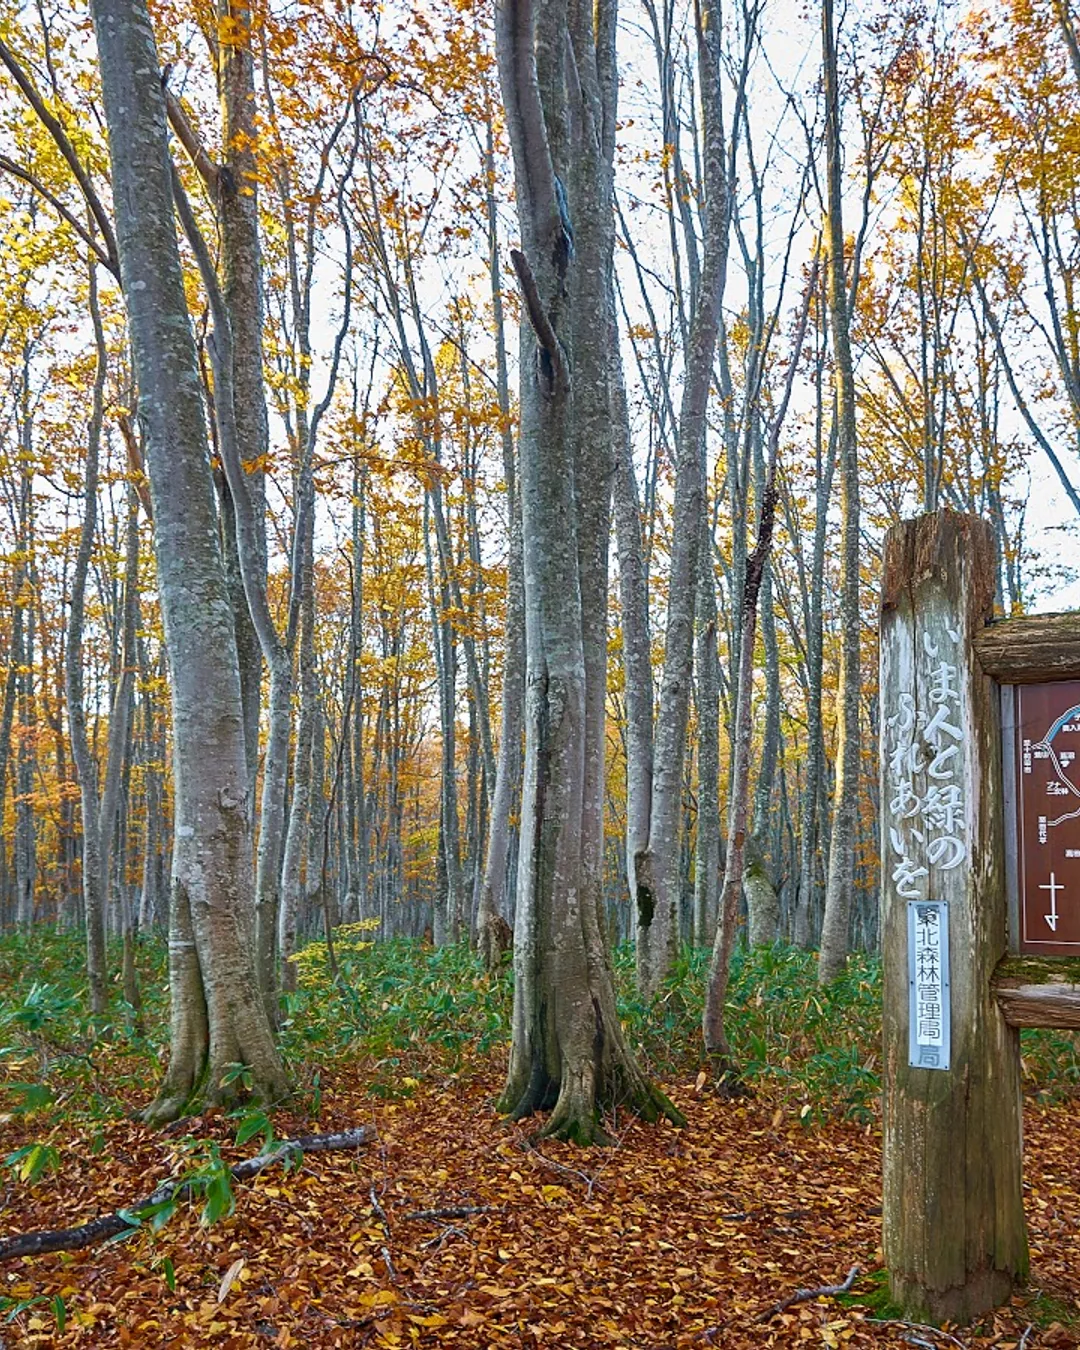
x,y
1048,817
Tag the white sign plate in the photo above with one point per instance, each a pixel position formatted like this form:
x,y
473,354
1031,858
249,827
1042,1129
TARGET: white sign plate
x,y
928,982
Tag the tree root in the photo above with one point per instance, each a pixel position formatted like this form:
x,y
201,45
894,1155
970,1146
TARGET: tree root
x,y
728,1079
112,1225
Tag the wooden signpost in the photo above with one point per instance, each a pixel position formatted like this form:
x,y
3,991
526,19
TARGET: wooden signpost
x,y
980,837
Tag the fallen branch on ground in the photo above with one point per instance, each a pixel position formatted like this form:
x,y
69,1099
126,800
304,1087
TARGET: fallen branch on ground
x,y
112,1225
917,1326
807,1295
453,1212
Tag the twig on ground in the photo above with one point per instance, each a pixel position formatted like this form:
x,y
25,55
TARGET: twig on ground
x,y
1026,1336
917,1326
379,1212
112,1225
439,1238
453,1212
590,1181
807,1295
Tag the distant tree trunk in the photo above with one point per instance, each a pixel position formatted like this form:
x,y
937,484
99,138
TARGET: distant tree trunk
x,y
762,900
218,1018
707,837
567,1051
493,912
658,867
93,880
292,868
26,760
811,842
118,744
840,886
714,1031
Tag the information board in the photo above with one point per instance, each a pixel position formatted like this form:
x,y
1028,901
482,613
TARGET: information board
x,y
1047,740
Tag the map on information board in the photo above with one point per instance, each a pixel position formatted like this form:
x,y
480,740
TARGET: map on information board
x,y
1048,811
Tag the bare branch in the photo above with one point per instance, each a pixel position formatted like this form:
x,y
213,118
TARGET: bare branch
x,y
63,144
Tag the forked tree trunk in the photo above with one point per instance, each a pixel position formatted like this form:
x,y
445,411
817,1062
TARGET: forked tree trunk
x,y
568,1052
217,1015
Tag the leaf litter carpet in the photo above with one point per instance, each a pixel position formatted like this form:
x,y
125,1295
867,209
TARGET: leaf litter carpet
x,y
669,1240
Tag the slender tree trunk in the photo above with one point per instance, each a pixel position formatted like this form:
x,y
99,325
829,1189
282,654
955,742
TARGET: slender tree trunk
x,y
707,838
26,760
658,867
218,1018
714,1031
493,912
840,886
93,881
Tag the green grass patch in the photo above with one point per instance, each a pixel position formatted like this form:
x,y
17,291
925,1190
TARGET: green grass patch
x,y
404,1011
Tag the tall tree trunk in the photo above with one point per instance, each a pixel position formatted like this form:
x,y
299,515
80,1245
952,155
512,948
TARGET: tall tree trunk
x,y
493,912
811,842
658,866
840,886
26,760
218,1018
238,211
567,1050
707,837
93,880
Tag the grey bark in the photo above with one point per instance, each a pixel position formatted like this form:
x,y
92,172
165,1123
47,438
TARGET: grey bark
x,y
557,72
658,866
217,1015
495,907
840,885
93,886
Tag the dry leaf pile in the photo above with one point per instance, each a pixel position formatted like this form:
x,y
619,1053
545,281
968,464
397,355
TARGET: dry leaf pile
x,y
450,1228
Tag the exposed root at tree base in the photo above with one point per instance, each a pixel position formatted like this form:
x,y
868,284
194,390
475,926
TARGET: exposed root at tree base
x,y
728,1080
184,1096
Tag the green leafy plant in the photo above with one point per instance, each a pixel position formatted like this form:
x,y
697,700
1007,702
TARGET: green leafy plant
x,y
30,1163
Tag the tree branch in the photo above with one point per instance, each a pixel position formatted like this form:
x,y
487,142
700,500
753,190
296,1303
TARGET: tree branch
x,y
211,173
112,1225
63,144
17,171
808,1295
538,317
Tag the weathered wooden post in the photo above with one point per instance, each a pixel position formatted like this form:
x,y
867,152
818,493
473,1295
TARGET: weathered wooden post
x,y
954,1235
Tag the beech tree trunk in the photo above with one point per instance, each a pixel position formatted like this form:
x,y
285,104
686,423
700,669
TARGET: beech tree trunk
x,y
217,1015
568,1051
93,882
658,879
840,886
493,910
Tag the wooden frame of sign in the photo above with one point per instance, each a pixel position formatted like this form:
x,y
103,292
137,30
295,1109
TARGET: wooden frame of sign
x,y
1036,662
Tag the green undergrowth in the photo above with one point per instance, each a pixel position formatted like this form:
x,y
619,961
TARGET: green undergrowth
x,y
401,1013
871,1291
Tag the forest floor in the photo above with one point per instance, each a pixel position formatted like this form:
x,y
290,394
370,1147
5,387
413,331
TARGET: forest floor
x,y
669,1238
